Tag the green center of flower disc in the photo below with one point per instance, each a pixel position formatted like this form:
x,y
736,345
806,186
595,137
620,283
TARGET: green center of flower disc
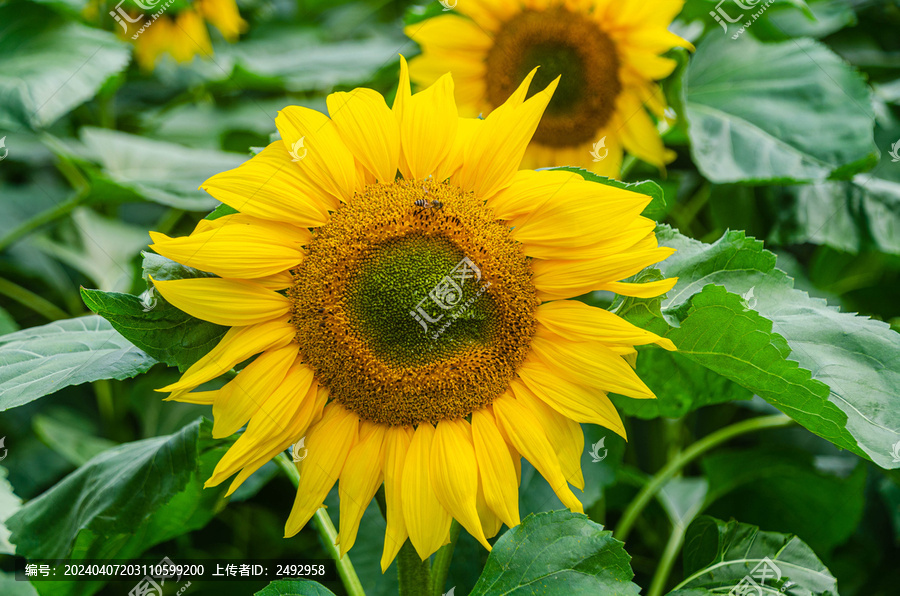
x,y
410,312
561,43
407,292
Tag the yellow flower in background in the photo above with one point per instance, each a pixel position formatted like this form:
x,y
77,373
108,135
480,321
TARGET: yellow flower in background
x,y
181,33
606,51
417,330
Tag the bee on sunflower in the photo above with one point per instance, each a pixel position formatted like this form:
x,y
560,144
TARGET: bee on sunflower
x,y
175,27
406,291
608,53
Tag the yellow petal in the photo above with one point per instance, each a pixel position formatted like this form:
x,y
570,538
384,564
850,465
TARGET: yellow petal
x,y
454,475
576,321
231,302
326,161
644,290
271,186
496,467
529,438
427,522
557,279
360,479
427,128
273,426
590,364
242,396
242,251
238,344
564,434
329,441
369,129
581,404
497,148
397,440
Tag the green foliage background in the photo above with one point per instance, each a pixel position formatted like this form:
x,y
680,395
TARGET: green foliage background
x,y
784,204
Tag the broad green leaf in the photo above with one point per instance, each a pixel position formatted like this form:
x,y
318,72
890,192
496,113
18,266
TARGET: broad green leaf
x,y
158,328
153,170
166,333
9,504
781,21
131,497
733,312
103,251
294,587
68,436
766,113
780,487
49,66
556,553
7,323
41,360
299,61
719,555
853,216
9,586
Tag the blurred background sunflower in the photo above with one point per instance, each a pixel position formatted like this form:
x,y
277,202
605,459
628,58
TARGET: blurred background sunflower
x,y
608,53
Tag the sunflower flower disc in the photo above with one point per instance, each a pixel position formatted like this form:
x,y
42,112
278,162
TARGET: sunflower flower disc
x,y
400,295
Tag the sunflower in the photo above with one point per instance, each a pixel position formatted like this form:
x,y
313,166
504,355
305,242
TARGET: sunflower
x,y
607,52
181,33
416,329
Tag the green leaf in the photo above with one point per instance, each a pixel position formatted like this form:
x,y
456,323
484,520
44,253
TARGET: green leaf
x,y
767,113
166,333
130,498
313,64
9,504
42,360
9,586
555,553
657,208
163,331
48,66
780,487
835,373
66,434
781,21
718,555
104,249
294,587
136,168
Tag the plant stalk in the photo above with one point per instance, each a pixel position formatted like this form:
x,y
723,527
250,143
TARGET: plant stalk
x,y
634,509
413,573
327,533
442,561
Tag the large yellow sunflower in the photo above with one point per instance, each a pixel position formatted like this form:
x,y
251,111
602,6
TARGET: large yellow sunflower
x,y
607,51
415,328
179,32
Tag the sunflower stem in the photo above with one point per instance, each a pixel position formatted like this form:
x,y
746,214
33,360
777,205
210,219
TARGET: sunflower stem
x,y
413,574
442,561
634,509
327,534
